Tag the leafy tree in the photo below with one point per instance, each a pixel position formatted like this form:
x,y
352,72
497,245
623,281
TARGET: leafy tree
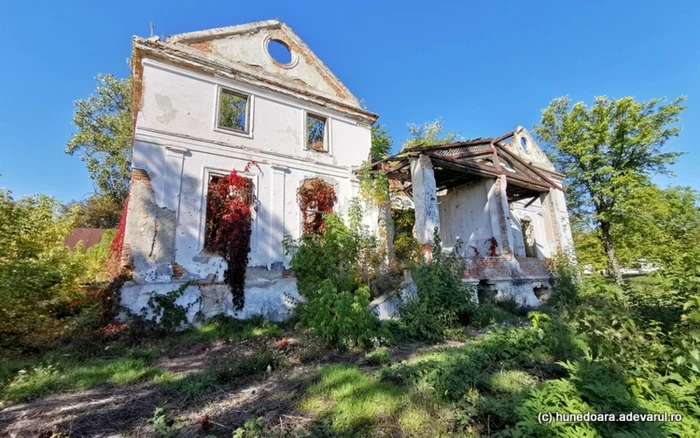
x,y
658,224
429,134
381,143
36,268
607,150
97,211
103,140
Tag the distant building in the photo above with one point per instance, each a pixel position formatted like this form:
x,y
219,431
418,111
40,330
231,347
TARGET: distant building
x,y
89,236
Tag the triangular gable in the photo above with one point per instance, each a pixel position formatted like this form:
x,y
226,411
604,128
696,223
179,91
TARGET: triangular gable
x,y
247,45
524,146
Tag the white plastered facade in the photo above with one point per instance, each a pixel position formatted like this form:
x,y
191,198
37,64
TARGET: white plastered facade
x,y
178,146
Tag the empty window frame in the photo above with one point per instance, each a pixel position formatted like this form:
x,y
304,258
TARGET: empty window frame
x,y
216,200
233,111
528,237
316,132
316,198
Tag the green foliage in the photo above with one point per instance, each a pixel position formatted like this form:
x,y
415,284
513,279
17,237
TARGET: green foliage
x,y
233,111
606,152
226,328
429,134
97,211
659,225
245,367
165,311
40,278
358,406
162,427
406,246
252,428
329,256
103,140
442,298
57,375
378,356
92,260
381,143
341,317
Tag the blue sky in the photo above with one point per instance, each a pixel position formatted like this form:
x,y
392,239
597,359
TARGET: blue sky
x,y
483,66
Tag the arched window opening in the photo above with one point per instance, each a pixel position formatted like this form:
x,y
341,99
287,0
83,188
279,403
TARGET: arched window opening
x,y
316,198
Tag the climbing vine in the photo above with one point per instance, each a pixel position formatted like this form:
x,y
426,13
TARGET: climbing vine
x,y
165,311
229,214
316,198
114,260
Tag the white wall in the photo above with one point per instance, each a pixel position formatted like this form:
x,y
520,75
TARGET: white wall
x,y
182,102
534,213
464,213
178,145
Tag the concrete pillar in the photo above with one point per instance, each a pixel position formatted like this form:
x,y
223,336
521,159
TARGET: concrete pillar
x,y
277,217
424,198
556,220
497,205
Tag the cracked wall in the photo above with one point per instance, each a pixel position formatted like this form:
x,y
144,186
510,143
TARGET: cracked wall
x,y
150,232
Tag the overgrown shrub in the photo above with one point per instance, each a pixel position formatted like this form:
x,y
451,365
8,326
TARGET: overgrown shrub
x,y
329,256
442,297
40,278
341,317
332,271
619,359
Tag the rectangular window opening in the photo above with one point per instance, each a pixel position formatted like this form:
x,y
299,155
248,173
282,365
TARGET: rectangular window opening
x,y
211,221
233,111
219,195
316,133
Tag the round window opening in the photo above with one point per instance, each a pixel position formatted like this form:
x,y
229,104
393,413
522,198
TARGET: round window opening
x,y
279,51
523,143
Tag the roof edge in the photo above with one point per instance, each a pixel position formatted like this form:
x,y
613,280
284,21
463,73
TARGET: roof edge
x,y
187,58
222,32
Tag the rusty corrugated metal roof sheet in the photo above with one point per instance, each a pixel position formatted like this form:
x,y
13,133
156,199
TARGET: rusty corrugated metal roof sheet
x,y
89,237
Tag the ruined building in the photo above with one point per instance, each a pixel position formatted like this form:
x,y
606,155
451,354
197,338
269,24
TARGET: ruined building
x,y
499,201
255,99
251,98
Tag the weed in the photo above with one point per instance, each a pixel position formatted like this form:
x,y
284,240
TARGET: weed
x,y
162,427
379,356
248,366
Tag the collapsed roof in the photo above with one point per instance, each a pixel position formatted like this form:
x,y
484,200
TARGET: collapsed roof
x,y
464,162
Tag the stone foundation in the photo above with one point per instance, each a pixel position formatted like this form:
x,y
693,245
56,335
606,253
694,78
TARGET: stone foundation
x,y
267,293
524,279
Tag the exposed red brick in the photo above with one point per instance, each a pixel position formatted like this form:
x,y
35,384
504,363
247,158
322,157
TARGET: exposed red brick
x,y
204,46
178,271
140,175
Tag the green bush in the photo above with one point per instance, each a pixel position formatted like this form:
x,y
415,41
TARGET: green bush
x,y
331,269
340,317
619,359
39,275
442,299
330,256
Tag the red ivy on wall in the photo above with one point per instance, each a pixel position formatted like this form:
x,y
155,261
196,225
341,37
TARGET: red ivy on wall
x,y
228,228
114,260
316,198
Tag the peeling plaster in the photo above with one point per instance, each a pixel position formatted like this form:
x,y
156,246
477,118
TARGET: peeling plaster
x,y
168,113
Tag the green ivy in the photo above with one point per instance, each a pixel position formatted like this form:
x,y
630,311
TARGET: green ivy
x,y
165,311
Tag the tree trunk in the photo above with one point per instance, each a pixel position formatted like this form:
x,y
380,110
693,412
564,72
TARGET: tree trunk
x,y
610,251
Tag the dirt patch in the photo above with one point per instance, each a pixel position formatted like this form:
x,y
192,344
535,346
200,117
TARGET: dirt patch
x,y
112,410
